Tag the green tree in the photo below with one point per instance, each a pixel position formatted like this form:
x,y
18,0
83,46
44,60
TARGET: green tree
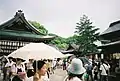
x,y
72,40
87,35
60,42
41,28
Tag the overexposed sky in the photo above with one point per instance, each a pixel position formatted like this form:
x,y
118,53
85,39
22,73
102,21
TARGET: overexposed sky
x,y
60,16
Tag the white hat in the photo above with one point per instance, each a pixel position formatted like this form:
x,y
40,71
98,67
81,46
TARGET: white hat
x,y
76,67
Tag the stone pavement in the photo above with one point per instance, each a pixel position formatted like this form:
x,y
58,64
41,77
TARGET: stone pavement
x,y
59,75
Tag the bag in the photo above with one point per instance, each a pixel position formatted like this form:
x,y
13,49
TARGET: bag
x,y
86,75
16,78
22,75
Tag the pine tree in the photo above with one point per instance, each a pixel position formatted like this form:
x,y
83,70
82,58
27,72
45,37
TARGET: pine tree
x,y
87,35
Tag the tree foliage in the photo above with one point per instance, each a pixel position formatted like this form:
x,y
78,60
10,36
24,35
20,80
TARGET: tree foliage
x,y
41,28
60,42
87,35
72,40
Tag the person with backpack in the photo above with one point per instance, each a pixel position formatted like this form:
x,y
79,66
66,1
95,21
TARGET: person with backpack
x,y
89,68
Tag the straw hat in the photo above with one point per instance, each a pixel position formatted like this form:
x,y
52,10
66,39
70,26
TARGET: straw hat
x,y
76,67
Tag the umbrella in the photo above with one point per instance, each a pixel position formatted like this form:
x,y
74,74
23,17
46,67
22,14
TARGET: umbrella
x,y
36,51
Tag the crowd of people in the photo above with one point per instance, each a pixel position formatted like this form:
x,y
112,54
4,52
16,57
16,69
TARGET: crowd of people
x,y
17,69
91,71
97,71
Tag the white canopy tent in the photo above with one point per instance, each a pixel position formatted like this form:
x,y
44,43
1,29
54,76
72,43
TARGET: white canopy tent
x,y
36,51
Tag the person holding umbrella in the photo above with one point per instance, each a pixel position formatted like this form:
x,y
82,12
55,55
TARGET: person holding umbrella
x,y
39,71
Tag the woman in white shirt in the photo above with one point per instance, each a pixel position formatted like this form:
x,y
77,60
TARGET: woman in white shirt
x,y
75,70
18,71
8,67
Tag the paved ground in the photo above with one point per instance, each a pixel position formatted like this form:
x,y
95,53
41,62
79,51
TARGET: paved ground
x,y
0,77
59,75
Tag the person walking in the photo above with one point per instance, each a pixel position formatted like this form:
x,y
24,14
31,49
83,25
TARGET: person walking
x,y
64,64
104,67
95,70
89,68
54,64
8,68
75,70
29,67
18,72
48,66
